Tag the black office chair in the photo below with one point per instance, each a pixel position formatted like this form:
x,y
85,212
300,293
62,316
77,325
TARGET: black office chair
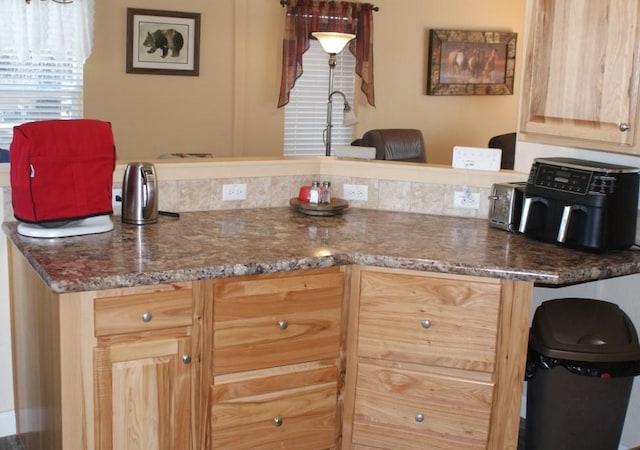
x,y
506,143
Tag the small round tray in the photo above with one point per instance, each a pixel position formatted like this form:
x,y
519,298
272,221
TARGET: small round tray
x,y
334,208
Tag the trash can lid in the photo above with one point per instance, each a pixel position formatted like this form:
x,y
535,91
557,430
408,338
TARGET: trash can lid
x,y
581,329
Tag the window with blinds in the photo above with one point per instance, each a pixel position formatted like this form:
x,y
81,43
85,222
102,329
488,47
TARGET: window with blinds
x,y
305,116
48,89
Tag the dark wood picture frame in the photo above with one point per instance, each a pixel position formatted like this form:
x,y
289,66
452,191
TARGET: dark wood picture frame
x,y
471,62
163,42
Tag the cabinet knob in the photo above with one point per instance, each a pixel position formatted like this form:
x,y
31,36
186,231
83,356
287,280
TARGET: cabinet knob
x,y
146,317
426,324
624,126
277,422
186,359
419,418
283,324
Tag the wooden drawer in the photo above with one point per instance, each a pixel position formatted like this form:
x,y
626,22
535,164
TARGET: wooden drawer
x,y
454,411
143,312
276,321
244,414
461,315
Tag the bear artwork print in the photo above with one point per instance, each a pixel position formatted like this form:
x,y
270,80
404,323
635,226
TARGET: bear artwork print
x,y
166,40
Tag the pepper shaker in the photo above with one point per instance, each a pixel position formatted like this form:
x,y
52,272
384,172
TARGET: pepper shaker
x,y
326,192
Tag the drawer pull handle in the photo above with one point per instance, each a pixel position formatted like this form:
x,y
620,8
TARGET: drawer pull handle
x,y
426,324
419,418
277,422
624,127
146,317
283,324
186,359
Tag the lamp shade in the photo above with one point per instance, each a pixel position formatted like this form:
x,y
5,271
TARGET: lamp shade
x,y
349,118
332,42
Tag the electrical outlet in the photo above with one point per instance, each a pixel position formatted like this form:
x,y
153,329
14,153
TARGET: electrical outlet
x,y
234,192
116,201
466,199
358,192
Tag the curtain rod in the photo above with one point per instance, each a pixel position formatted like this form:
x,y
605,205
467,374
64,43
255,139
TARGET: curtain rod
x,y
286,2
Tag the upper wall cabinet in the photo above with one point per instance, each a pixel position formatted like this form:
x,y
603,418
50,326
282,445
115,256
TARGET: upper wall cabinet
x,y
581,76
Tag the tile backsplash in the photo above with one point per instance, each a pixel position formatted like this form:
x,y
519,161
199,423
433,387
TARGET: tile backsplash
x,y
273,191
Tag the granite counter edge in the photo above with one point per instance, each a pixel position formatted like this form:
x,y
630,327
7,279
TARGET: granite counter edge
x,y
63,286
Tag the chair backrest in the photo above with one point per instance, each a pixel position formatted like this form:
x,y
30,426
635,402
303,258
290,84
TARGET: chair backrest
x,y
396,144
506,143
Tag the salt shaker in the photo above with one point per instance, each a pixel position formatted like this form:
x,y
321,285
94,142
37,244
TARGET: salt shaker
x,y
314,195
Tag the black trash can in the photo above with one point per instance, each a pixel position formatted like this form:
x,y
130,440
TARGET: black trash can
x,y
583,356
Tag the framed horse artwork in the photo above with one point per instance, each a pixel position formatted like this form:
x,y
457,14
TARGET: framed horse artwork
x,y
471,62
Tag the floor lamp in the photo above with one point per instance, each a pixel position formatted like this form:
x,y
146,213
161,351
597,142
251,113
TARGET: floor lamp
x,y
333,43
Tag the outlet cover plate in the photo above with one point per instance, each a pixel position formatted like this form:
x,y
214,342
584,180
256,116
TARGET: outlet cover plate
x,y
234,192
356,192
469,200
476,158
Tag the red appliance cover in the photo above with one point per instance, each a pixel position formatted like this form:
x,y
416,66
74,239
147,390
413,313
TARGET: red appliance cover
x,y
62,170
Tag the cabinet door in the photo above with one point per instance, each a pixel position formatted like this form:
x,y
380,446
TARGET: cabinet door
x,y
581,75
144,395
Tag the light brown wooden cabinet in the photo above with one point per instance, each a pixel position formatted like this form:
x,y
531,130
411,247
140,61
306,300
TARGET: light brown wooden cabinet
x,y
316,359
109,369
582,74
143,371
276,361
426,367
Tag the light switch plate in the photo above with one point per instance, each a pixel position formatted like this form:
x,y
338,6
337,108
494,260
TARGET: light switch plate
x,y
476,158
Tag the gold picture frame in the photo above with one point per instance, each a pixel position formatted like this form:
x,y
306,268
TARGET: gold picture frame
x,y
463,62
163,42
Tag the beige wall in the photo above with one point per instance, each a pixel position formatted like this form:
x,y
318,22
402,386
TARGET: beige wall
x,y
230,109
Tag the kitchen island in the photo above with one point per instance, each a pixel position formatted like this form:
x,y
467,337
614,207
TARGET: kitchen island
x,y
185,305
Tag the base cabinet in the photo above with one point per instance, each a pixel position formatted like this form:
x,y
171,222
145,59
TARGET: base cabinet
x,y
144,395
143,371
426,366
276,361
338,358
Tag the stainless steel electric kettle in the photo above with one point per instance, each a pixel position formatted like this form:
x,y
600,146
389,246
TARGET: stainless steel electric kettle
x,y
139,194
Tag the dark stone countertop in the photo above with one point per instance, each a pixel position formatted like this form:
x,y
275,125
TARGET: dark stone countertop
x,y
216,244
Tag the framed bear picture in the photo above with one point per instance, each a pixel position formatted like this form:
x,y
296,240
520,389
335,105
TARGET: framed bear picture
x,y
163,42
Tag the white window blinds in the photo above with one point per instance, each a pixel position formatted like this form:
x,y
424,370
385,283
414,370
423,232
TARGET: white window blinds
x,y
43,46
36,91
305,116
